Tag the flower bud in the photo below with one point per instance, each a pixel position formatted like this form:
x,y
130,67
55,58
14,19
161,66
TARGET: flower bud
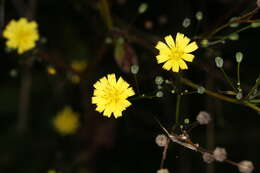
x,y
219,62
142,8
186,23
159,94
162,171
233,37
239,56
199,15
134,69
233,25
201,90
159,80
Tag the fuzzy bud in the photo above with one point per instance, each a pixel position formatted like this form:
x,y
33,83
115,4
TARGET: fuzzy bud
x,y
204,43
233,25
245,166
159,94
220,154
255,25
142,8
203,117
233,37
161,140
207,157
219,62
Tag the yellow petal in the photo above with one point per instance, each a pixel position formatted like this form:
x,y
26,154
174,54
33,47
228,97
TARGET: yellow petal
x,y
184,42
163,47
179,38
169,40
191,47
167,65
188,57
182,64
111,79
162,58
175,67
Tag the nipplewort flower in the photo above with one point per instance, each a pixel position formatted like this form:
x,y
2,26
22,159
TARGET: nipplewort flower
x,y
174,53
111,95
66,121
21,35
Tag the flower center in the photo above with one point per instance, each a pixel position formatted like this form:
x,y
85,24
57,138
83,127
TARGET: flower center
x,y
177,53
113,95
22,35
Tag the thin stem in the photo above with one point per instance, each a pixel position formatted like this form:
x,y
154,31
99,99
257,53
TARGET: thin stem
x,y
105,13
257,83
220,96
164,155
142,97
228,80
234,21
136,83
238,76
177,113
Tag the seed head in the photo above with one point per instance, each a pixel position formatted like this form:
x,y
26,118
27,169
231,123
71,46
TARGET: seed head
x,y
186,23
245,166
203,117
239,56
220,154
207,157
219,62
161,140
199,15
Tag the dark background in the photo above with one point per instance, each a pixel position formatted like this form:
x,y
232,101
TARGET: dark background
x,y
74,29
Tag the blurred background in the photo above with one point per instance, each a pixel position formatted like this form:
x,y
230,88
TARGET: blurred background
x,y
37,85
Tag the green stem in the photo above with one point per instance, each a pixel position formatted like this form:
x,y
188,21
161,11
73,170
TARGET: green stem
x,y
220,96
177,113
142,97
257,83
228,80
238,76
105,13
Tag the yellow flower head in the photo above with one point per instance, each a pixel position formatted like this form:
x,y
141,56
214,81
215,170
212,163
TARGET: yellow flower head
x,y
66,121
174,53
79,65
21,35
111,95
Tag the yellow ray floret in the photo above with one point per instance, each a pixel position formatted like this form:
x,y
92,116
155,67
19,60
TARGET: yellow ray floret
x,y
66,121
21,35
174,53
110,95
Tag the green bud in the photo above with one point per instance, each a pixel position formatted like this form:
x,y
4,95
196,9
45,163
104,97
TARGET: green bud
x,y
159,94
201,90
159,80
186,23
219,62
13,73
239,56
142,8
199,15
186,121
204,43
134,69
233,37
239,96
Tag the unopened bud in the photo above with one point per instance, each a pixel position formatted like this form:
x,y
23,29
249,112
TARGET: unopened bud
x,y
159,80
162,171
199,15
219,62
186,23
233,25
159,94
233,37
134,69
239,56
201,90
142,8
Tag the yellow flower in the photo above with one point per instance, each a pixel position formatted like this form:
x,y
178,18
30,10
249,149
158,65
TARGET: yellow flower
x,y
111,95
79,65
174,53
21,35
66,121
